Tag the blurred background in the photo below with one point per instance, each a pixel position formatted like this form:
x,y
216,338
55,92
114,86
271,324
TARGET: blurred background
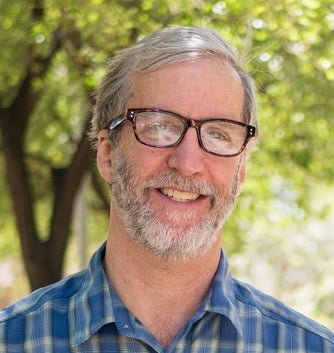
x,y
54,207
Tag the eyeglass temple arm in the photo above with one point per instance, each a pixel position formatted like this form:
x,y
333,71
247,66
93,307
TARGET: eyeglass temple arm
x,y
116,122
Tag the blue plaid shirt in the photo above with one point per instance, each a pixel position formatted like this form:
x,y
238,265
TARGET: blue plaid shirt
x,y
82,313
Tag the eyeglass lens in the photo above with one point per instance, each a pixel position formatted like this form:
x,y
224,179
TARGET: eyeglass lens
x,y
161,129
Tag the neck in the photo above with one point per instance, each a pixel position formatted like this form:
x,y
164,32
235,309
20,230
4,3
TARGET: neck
x,y
161,293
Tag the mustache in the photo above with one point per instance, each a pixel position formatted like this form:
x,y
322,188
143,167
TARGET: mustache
x,y
173,179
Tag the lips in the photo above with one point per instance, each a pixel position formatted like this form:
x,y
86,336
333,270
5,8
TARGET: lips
x,y
178,195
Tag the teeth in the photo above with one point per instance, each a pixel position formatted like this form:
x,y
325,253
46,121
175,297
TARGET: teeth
x,y
180,195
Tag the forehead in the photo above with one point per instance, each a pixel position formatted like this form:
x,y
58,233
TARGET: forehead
x,y
201,88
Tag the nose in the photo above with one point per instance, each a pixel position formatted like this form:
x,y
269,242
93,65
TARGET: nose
x,y
187,157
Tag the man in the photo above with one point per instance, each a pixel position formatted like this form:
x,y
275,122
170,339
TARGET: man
x,y
174,120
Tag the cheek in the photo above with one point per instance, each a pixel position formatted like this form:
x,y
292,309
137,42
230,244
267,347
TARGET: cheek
x,y
142,157
144,160
227,175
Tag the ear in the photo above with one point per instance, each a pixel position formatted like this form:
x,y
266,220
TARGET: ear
x,y
104,156
241,175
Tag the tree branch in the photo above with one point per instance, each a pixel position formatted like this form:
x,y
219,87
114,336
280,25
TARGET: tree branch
x,y
67,189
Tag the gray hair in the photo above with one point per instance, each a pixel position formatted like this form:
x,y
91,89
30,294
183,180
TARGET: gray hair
x,y
157,50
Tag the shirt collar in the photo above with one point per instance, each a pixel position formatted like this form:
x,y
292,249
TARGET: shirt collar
x,y
221,297
93,305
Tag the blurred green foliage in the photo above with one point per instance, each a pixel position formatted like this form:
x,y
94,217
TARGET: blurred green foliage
x,y
287,46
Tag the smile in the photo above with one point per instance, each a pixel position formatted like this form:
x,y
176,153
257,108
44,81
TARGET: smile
x,y
180,195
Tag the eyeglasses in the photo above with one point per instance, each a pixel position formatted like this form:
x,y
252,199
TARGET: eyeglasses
x,y
161,128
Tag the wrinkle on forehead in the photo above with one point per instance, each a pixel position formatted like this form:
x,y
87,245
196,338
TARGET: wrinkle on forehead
x,y
211,84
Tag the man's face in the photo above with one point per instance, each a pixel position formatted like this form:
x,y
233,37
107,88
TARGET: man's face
x,y
175,200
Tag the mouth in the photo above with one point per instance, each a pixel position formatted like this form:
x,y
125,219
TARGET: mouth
x,y
181,196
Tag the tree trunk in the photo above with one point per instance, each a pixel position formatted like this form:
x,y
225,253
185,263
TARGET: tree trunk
x,y
43,259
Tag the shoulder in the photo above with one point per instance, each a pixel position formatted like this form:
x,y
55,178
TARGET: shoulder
x,y
56,300
276,316
44,314
55,295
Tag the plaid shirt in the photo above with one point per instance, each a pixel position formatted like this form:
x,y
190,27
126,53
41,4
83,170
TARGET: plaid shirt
x,y
82,313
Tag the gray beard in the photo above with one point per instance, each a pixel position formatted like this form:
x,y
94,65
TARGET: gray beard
x,y
170,240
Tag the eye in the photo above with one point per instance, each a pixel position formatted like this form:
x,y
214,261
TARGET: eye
x,y
157,127
218,134
172,127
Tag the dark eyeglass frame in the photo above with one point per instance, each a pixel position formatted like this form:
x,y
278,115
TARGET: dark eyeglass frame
x,y
130,114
